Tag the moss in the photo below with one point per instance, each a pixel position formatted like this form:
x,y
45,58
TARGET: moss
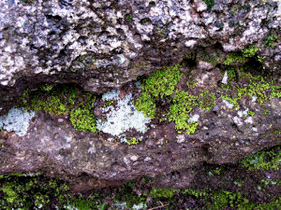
x,y
253,86
263,160
29,192
63,100
250,51
243,56
83,120
133,141
232,58
270,41
223,199
251,113
183,103
160,87
163,192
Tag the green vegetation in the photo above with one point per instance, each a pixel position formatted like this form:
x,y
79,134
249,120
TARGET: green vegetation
x,y
133,141
161,88
20,191
251,113
243,56
83,120
183,103
158,86
270,40
63,100
263,160
26,192
253,86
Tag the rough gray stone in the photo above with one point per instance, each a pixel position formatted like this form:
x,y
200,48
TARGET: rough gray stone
x,y
105,44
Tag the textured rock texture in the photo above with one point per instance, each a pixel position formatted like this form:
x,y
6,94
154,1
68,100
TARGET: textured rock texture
x,y
100,45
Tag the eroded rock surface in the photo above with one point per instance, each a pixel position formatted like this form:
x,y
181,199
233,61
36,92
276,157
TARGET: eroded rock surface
x,y
104,44
100,45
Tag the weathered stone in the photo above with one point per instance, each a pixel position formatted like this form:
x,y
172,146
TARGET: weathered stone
x,y
101,45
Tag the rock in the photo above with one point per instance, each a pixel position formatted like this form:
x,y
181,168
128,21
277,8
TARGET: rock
x,y
106,45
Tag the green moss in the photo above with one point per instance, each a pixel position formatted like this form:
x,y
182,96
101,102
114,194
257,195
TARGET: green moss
x,y
146,104
251,113
270,41
160,87
250,51
29,192
133,141
83,120
63,100
163,192
183,103
224,199
161,83
207,100
252,86
232,58
263,160
243,56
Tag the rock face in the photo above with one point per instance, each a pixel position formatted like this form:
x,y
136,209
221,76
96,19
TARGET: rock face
x,y
105,44
100,45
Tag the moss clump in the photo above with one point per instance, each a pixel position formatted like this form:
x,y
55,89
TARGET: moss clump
x,y
263,160
183,103
243,56
21,191
133,141
83,120
161,86
270,41
232,58
252,86
63,100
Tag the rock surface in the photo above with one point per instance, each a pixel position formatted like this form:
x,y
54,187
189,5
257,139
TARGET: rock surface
x,y
105,44
100,45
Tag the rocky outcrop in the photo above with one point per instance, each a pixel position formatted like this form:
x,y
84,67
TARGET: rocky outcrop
x,y
228,111
105,44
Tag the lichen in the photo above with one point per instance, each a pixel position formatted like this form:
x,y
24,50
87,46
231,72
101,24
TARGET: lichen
x,y
122,117
17,120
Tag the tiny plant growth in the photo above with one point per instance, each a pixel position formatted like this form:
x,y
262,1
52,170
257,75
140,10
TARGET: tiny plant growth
x,y
161,88
63,100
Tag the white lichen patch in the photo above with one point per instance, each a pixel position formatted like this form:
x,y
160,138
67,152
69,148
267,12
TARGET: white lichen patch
x,y
225,78
243,113
249,120
194,118
17,120
122,116
229,105
237,121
